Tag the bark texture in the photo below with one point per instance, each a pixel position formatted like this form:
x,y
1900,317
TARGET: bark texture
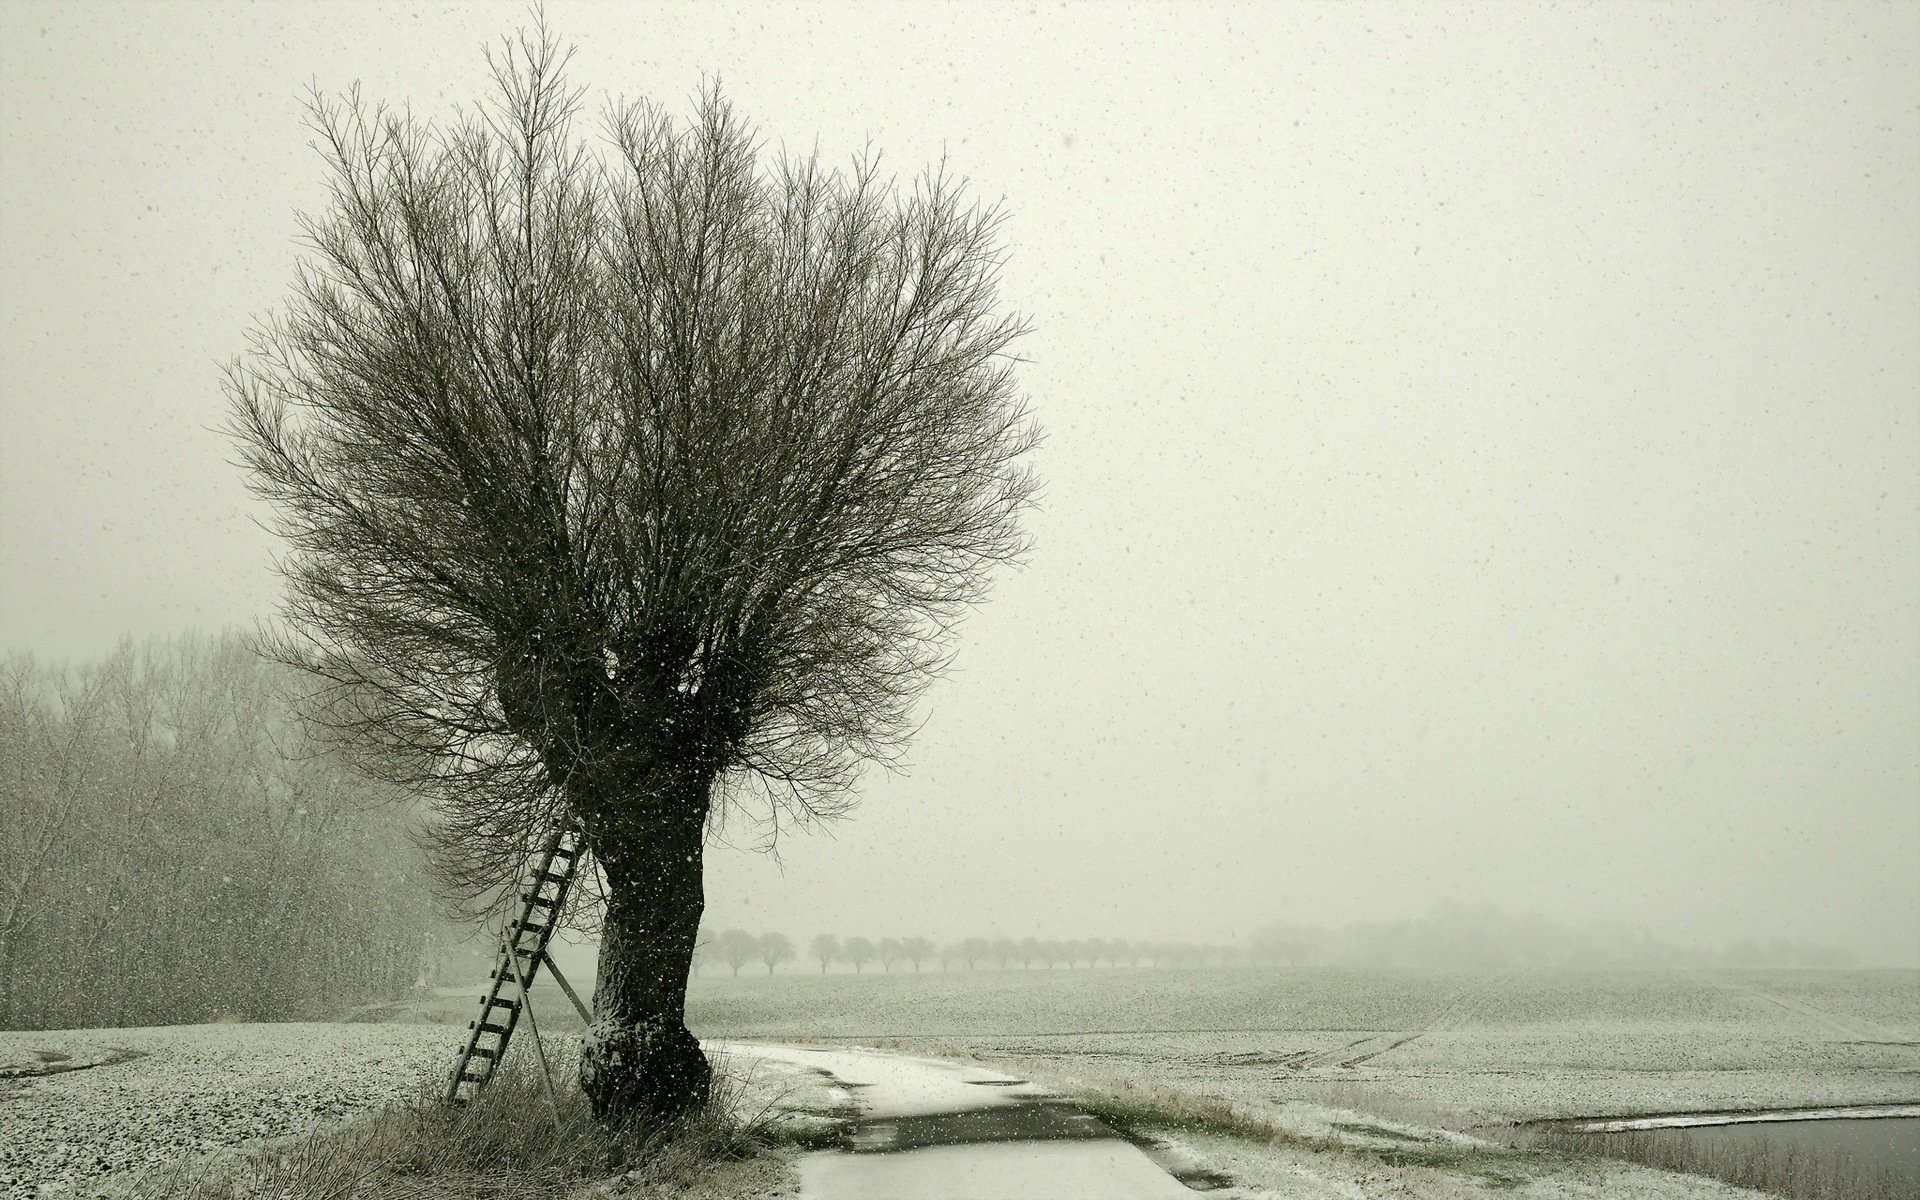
x,y
639,1061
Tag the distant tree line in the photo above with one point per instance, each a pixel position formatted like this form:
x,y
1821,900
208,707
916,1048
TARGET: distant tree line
x,y
173,849
1452,936
1459,935
737,948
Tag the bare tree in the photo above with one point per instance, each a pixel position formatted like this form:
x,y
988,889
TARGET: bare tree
x,y
627,487
859,951
916,950
737,947
826,948
173,849
774,949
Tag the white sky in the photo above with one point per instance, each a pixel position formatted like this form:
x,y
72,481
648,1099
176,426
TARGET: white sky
x,y
1482,451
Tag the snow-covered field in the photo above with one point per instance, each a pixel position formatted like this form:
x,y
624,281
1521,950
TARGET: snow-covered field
x,y
1339,1058
159,1095
1454,1049
1469,1047
953,1130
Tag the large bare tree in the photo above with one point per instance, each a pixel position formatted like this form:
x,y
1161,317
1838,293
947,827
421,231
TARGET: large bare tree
x,y
627,481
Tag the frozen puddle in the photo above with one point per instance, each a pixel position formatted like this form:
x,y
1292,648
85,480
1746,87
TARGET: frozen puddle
x,y
924,1129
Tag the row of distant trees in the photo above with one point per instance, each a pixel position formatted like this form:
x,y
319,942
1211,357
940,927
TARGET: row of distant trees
x,y
1463,935
173,849
1452,936
736,948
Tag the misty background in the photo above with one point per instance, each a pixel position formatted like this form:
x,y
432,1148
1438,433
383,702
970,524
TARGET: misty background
x,y
1482,466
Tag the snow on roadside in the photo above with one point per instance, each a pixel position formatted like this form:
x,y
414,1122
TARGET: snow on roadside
x,y
889,1092
1320,1152
1327,1152
896,1085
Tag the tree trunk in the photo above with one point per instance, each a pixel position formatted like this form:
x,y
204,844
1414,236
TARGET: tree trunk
x,y
638,1060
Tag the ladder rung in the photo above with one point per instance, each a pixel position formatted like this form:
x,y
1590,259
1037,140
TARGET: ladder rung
x,y
519,959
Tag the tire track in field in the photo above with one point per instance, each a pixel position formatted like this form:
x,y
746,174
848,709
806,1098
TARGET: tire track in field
x,y
1462,1006
1375,1051
1850,1028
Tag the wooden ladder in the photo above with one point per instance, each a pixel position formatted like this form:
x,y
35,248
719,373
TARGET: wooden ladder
x,y
523,951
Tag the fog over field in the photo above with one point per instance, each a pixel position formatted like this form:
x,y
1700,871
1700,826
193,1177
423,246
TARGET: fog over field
x,y
1481,462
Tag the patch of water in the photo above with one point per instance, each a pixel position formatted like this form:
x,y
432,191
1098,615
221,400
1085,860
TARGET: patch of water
x,y
1877,1155
1886,1148
1039,1121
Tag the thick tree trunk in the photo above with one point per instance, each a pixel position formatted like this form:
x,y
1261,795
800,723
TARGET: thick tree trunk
x,y
639,1062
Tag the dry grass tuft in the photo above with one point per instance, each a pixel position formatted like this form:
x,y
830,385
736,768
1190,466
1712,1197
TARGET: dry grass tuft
x,y
1129,1107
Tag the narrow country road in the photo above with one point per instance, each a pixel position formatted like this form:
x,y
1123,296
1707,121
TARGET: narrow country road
x,y
923,1129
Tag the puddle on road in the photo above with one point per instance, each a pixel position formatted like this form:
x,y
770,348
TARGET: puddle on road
x,y
1003,1116
1036,1121
1039,1121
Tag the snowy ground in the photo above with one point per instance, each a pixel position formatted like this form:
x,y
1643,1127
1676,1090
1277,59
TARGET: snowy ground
x,y
159,1095
1357,1144
1415,1054
928,1129
1326,1054
1466,1048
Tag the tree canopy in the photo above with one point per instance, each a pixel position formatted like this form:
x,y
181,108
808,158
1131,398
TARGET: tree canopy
x,y
673,440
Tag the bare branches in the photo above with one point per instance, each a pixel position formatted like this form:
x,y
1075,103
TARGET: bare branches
x,y
606,465
171,847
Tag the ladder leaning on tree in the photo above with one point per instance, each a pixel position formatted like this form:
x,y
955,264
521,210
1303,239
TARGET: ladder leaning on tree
x,y
523,951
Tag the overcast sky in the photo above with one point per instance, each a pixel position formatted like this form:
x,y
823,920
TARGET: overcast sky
x,y
1482,457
